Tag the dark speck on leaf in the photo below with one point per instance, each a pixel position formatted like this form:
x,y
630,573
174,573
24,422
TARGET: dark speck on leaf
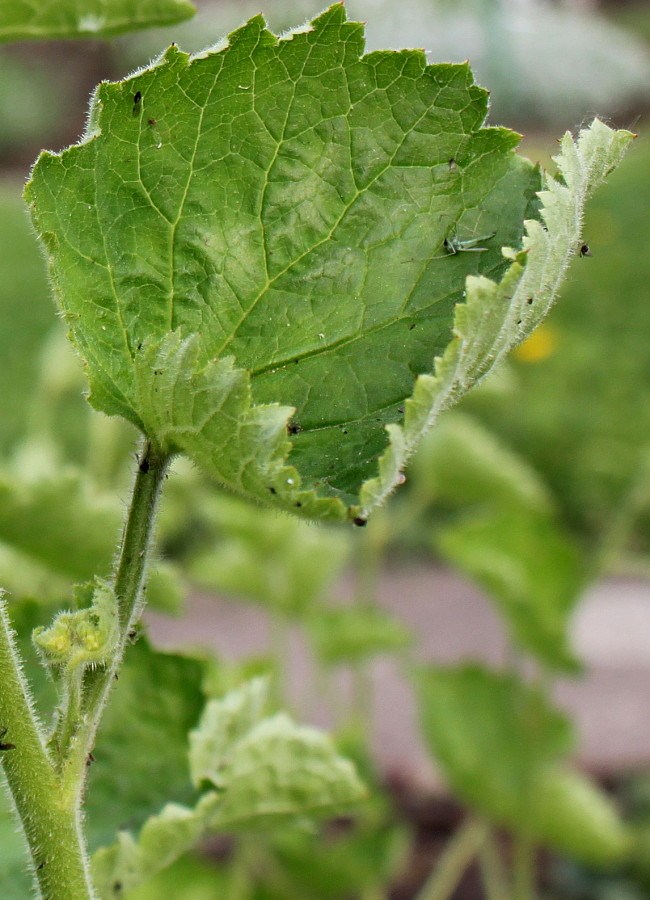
x,y
137,97
585,250
152,122
529,301
294,428
411,326
298,504
360,522
272,490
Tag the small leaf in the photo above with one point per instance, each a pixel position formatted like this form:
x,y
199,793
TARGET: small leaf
x,y
266,770
502,749
282,769
38,21
249,249
223,723
531,568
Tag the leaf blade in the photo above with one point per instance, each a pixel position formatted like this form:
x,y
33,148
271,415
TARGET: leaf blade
x,y
288,201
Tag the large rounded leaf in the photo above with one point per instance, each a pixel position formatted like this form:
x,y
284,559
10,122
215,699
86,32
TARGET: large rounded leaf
x,y
261,250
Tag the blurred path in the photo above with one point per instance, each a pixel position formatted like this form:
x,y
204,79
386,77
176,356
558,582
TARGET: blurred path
x,y
610,703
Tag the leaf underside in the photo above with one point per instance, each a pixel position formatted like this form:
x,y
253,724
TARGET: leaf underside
x,y
248,247
40,20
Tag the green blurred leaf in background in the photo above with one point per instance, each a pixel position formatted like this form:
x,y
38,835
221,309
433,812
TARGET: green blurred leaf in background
x,y
503,748
38,20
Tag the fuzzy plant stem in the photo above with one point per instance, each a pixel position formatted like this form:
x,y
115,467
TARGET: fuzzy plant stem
x,y
129,594
49,816
47,792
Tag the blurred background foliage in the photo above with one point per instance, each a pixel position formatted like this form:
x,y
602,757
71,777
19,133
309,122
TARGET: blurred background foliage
x,y
537,484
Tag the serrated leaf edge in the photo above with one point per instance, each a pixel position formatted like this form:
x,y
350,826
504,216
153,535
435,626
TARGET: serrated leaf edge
x,y
521,299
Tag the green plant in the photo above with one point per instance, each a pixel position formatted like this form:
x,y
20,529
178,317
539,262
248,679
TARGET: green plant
x,y
250,249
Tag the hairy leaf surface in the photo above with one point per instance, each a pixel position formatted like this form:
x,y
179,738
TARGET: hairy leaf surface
x,y
252,249
42,19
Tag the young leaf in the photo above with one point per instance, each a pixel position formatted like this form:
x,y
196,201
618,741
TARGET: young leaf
x,y
223,723
87,637
266,767
281,769
502,748
251,244
265,770
86,18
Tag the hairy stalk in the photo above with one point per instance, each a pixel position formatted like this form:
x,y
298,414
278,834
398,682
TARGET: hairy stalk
x,y
128,586
49,816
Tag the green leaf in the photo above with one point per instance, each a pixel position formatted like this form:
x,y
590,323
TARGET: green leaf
x,y
264,769
531,568
223,723
461,462
278,561
23,302
57,528
14,875
502,748
281,769
34,20
249,245
141,751
351,634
